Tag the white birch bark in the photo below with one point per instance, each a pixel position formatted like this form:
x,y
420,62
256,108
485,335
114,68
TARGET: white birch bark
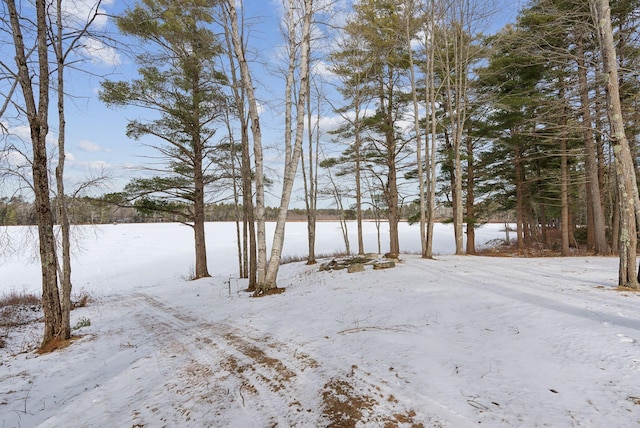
x,y
291,165
254,117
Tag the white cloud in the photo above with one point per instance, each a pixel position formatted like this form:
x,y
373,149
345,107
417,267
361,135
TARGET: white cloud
x,y
88,146
98,165
321,68
331,123
13,159
22,132
99,52
79,12
90,166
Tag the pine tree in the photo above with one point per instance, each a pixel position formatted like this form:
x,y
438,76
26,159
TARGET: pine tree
x,y
180,81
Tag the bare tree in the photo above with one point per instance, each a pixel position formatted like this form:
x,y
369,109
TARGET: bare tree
x,y
65,41
37,113
65,33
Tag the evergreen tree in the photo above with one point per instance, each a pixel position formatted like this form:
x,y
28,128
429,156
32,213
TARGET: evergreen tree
x,y
180,82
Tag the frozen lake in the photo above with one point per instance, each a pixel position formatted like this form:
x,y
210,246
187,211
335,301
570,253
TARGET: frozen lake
x,y
149,253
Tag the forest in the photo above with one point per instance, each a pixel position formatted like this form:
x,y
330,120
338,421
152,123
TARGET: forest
x,y
536,123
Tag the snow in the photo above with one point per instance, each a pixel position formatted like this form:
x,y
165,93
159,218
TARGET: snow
x,y
453,342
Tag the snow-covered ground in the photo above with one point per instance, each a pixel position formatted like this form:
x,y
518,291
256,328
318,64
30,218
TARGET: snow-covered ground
x,y
453,342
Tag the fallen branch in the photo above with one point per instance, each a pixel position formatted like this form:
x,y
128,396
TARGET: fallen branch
x,y
396,328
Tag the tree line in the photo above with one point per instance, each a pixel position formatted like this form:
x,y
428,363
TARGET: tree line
x,y
17,211
539,119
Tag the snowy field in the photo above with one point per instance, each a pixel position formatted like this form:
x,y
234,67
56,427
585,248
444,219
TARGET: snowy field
x,y
458,341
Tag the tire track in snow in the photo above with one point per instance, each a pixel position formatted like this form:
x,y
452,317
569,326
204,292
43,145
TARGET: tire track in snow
x,y
242,378
229,372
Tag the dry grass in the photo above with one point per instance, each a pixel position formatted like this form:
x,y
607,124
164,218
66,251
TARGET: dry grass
x,y
17,309
80,300
13,298
538,250
20,309
628,289
55,344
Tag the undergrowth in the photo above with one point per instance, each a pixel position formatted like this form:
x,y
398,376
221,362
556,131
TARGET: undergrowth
x,y
19,310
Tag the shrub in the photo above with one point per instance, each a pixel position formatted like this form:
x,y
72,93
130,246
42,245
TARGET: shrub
x,y
82,322
80,300
13,298
18,308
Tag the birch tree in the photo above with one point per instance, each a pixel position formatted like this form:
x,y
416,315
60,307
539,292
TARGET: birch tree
x,y
299,15
239,93
239,53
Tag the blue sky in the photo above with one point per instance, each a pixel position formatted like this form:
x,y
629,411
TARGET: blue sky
x,y
96,140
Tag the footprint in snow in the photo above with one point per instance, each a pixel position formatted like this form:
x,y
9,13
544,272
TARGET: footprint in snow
x,y
626,339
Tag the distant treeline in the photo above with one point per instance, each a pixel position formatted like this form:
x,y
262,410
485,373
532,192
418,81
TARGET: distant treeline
x,y
17,211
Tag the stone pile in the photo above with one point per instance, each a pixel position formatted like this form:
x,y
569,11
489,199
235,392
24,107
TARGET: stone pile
x,y
357,263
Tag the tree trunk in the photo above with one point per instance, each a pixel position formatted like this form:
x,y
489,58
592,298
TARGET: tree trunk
x,y
598,224
247,204
430,155
417,130
248,212
254,116
543,222
564,197
248,218
358,173
310,180
37,116
392,202
520,205
471,220
391,186
241,224
291,163
627,184
201,270
63,218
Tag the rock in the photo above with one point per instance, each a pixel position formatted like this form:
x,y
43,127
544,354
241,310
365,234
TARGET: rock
x,y
357,267
384,265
